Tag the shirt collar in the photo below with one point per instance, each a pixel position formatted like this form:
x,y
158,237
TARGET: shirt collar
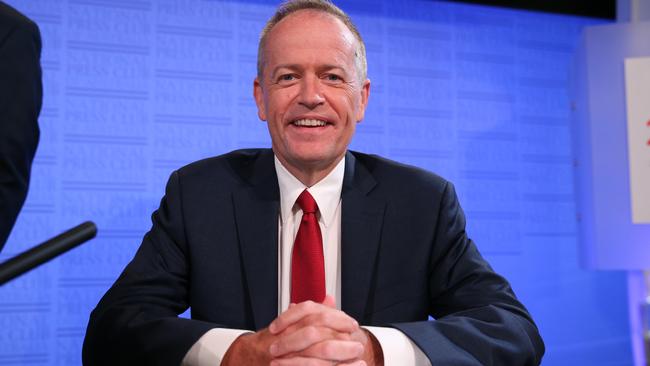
x,y
326,193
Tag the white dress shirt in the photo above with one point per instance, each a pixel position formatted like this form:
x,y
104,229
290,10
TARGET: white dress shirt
x,y
398,349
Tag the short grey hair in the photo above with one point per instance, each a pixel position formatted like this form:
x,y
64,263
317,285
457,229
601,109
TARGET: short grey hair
x,y
326,6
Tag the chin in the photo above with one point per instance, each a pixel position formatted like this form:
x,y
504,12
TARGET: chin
x,y
314,159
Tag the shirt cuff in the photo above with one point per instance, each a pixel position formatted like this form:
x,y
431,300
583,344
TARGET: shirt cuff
x,y
398,349
211,347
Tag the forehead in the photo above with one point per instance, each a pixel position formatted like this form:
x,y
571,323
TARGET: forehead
x,y
309,30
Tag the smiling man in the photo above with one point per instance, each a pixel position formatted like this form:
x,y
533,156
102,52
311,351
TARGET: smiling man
x,y
312,89
308,253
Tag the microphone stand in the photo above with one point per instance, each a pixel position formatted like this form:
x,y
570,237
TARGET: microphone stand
x,y
42,253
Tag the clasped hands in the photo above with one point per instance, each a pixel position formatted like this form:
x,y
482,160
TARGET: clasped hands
x,y
307,333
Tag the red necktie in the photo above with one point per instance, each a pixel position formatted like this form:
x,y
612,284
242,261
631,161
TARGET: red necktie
x,y
307,265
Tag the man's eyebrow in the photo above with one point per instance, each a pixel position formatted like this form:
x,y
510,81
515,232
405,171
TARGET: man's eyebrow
x,y
298,67
285,66
329,67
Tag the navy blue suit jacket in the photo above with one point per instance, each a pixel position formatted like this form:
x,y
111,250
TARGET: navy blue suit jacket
x,y
21,95
404,256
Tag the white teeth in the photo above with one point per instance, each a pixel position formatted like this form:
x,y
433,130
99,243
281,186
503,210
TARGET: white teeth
x,y
309,123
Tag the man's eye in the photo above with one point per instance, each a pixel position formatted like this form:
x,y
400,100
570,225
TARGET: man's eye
x,y
332,77
287,77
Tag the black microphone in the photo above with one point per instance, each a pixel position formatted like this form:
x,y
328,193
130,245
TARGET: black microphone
x,y
42,253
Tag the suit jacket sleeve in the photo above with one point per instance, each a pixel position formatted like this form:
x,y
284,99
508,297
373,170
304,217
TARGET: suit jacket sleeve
x,y
136,322
20,105
478,320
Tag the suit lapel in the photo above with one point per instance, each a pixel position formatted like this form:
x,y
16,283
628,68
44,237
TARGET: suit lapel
x,y
257,208
256,211
361,223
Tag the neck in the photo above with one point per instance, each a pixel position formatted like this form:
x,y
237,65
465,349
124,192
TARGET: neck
x,y
309,174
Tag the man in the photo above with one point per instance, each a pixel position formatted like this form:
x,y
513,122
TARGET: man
x,y
20,104
245,238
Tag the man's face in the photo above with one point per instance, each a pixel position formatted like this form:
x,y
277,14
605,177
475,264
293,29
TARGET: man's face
x,y
310,93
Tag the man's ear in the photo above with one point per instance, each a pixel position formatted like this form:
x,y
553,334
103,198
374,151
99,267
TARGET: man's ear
x,y
365,94
258,94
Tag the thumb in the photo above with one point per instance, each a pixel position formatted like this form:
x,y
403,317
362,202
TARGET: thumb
x,y
329,301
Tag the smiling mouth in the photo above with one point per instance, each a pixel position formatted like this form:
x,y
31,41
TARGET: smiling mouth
x,y
309,123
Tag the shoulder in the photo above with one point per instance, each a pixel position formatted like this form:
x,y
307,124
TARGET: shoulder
x,y
235,166
12,20
395,176
405,189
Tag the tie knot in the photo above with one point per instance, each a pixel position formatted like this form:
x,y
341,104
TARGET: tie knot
x,y
307,202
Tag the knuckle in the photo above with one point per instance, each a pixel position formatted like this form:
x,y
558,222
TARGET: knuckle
x,y
311,333
325,318
309,362
343,336
361,349
330,350
306,306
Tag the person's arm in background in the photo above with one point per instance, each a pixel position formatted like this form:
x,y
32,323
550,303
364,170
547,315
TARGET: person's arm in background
x,y
21,94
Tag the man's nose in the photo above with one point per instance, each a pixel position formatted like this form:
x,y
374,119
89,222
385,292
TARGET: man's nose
x,y
311,93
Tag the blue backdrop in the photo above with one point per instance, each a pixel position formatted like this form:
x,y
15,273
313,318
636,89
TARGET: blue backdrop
x,y
136,88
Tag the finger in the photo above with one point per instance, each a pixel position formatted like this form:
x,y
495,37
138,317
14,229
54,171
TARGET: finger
x,y
329,301
336,320
292,315
307,361
300,339
333,333
355,363
300,361
335,350
297,313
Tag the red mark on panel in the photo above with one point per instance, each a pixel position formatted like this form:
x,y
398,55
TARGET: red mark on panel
x,y
647,124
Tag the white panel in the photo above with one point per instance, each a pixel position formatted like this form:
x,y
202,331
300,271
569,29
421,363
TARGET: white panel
x,y
637,89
